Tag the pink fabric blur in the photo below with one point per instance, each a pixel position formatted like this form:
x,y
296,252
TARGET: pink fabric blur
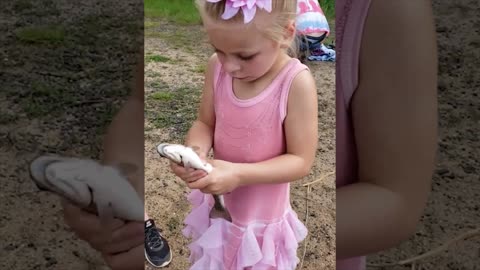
x,y
351,17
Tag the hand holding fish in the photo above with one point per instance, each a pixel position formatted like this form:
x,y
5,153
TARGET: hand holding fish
x,y
189,174
187,159
223,179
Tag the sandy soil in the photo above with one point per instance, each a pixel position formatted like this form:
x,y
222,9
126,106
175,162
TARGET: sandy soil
x,y
165,194
453,206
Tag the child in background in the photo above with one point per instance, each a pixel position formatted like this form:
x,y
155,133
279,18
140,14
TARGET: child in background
x,y
312,28
386,124
259,114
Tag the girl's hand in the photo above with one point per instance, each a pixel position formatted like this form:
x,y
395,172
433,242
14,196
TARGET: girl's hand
x,y
189,174
223,179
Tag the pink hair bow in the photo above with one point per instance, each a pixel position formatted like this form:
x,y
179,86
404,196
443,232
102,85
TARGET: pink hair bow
x,y
249,8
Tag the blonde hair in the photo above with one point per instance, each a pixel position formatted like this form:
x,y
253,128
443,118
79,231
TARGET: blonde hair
x,y
284,11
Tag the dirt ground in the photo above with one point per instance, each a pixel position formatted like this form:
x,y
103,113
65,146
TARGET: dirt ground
x,y
453,206
183,54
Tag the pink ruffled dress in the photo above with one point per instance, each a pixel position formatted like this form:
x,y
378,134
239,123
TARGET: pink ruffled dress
x,y
265,231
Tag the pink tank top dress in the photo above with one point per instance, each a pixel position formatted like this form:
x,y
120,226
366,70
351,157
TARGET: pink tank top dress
x,y
265,231
351,17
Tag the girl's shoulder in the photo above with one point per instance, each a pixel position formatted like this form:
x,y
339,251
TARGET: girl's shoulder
x,y
302,79
301,85
213,64
212,70
294,73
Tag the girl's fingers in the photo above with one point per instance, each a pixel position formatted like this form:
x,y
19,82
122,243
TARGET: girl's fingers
x,y
126,238
87,225
194,176
84,221
188,175
205,190
130,260
199,184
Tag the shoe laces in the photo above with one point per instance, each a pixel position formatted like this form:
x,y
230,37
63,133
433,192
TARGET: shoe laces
x,y
154,238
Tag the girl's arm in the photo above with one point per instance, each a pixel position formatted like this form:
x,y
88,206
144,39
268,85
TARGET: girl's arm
x,y
395,121
123,142
301,130
201,133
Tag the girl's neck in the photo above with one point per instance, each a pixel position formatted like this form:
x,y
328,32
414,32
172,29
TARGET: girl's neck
x,y
248,90
282,59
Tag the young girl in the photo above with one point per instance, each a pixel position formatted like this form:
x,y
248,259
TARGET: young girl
x,y
259,113
386,123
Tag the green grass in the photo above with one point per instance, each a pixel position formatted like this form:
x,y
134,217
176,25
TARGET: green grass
x,y
165,96
328,7
41,34
44,98
175,109
178,11
150,24
200,68
158,84
178,40
6,118
157,58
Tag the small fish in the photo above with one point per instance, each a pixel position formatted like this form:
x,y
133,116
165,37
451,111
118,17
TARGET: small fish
x,y
188,158
183,155
101,189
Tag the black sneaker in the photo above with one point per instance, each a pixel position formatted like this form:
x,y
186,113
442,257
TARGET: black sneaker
x,y
157,250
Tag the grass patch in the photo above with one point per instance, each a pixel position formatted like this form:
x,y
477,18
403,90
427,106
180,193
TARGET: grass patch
x,y
200,68
163,96
41,98
177,40
41,34
175,109
150,24
7,118
157,58
328,7
158,85
178,11
22,5
173,224
152,74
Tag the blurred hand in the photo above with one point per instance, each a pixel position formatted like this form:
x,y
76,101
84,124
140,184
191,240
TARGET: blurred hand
x,y
122,247
223,178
